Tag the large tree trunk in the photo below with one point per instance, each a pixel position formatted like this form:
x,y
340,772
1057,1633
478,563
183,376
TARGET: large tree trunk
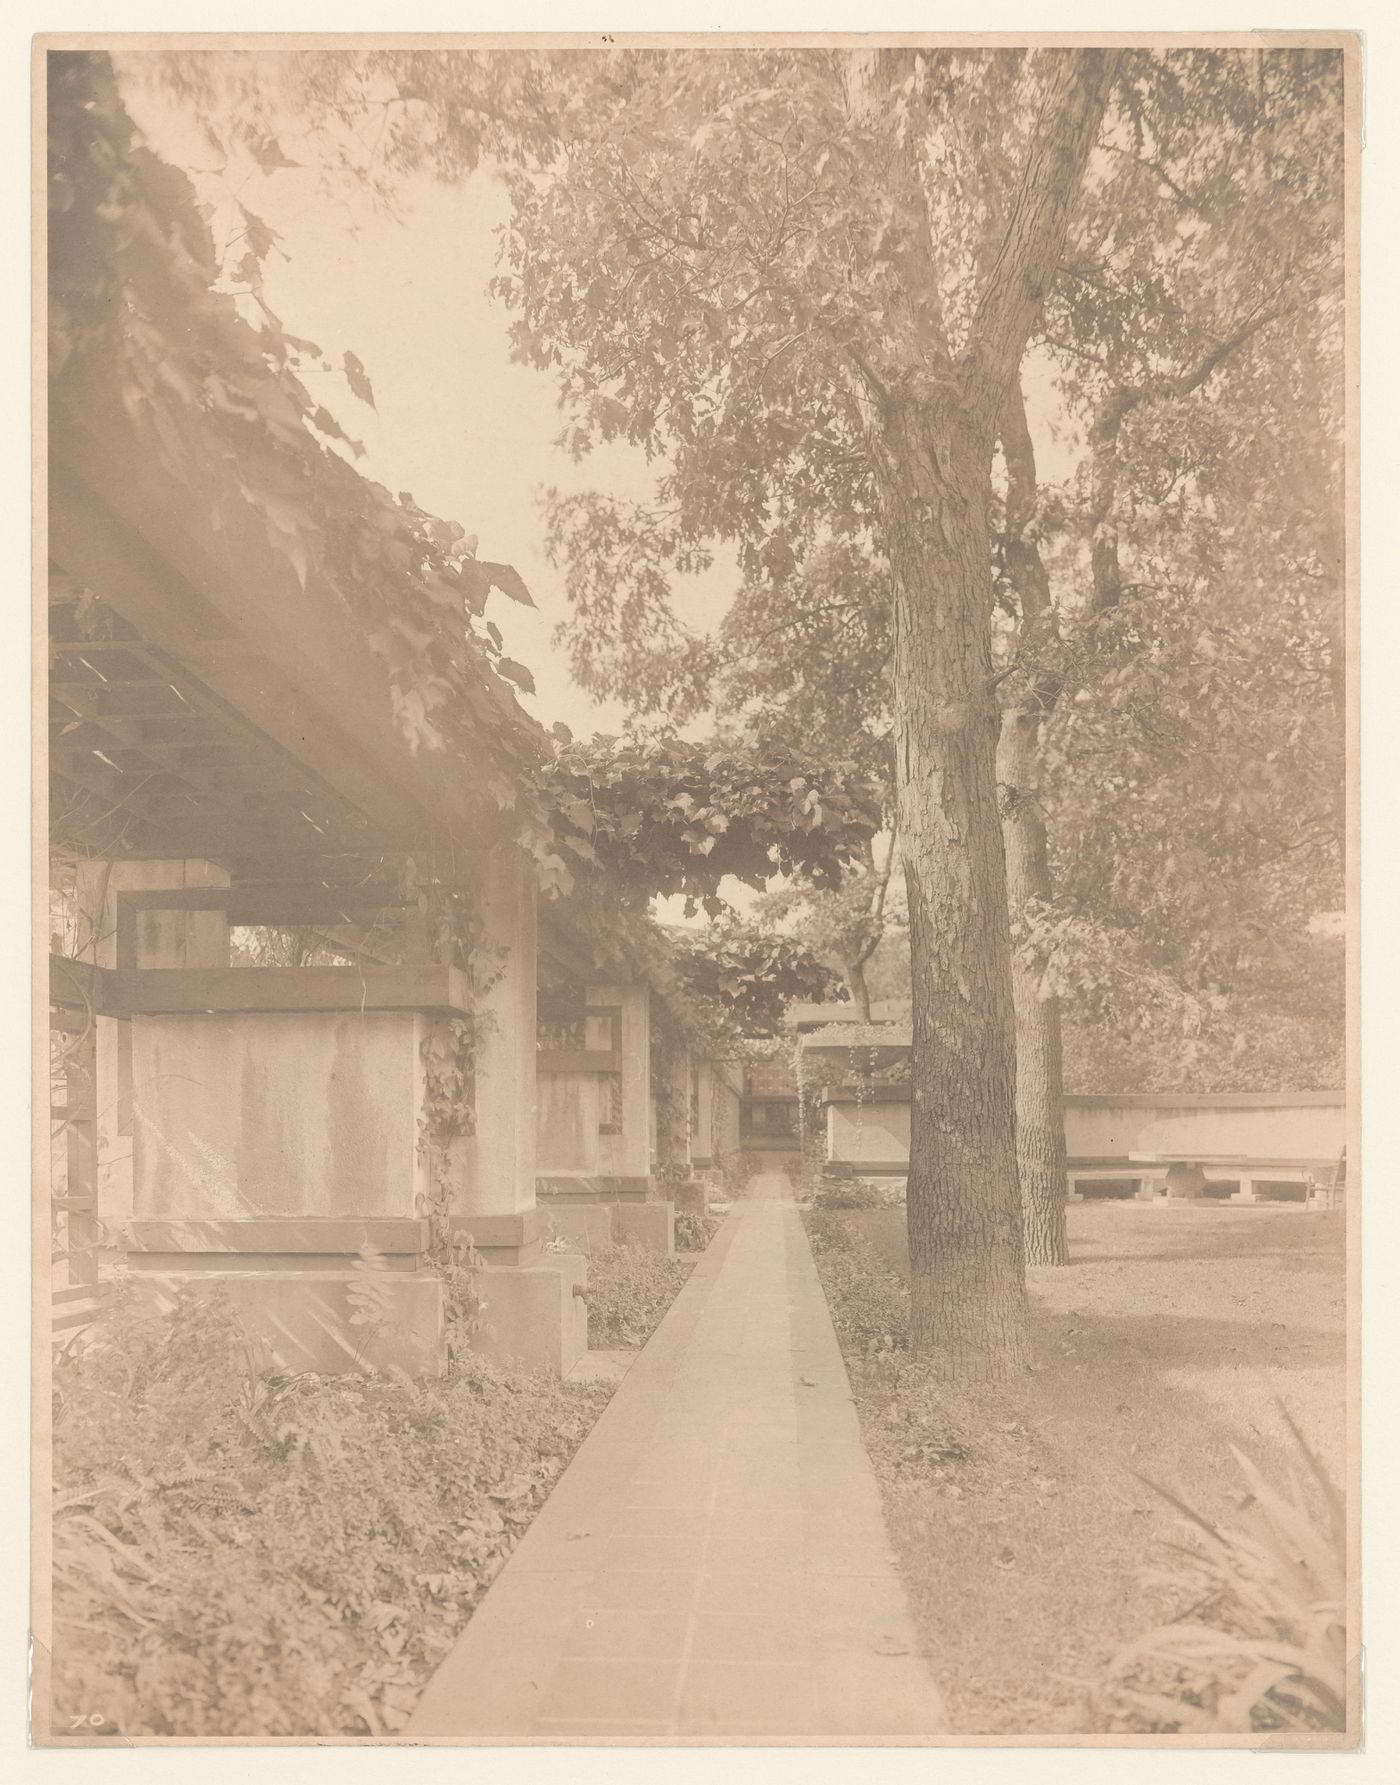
x,y
1040,1089
967,1267
932,421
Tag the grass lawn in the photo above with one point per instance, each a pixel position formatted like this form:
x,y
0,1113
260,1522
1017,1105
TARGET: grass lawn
x,y
1017,1513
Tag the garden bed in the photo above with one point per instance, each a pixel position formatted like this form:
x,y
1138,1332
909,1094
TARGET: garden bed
x,y
629,1290
237,1554
1019,1513
694,1232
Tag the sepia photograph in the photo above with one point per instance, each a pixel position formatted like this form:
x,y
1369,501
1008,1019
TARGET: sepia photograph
x,y
695,790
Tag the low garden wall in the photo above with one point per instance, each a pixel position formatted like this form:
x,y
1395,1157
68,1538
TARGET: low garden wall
x,y
1240,1135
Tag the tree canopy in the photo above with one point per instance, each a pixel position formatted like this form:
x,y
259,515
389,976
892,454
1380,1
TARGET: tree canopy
x,y
1180,557
804,283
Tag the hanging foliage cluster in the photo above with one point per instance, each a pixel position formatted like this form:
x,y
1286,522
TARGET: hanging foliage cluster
x,y
145,348
663,815
751,972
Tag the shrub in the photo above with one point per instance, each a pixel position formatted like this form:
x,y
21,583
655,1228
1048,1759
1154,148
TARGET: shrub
x,y
869,1304
735,1170
694,1232
1264,1645
241,1554
915,1427
848,1193
807,1176
629,1289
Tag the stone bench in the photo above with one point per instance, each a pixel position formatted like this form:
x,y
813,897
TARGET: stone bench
x,y
1183,1176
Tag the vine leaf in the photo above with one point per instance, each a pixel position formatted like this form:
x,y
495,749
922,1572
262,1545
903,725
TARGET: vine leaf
x,y
509,581
270,156
358,378
261,237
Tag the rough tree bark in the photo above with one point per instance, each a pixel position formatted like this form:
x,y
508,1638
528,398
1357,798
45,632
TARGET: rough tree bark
x,y
932,424
1040,1087
967,1264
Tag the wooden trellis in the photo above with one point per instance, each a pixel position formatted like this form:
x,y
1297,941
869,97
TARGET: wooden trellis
x,y
76,1230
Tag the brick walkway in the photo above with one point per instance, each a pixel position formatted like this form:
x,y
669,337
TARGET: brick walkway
x,y
713,1565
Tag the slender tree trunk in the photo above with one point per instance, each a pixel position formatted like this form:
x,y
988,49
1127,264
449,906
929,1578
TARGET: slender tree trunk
x,y
967,1266
858,987
1040,1088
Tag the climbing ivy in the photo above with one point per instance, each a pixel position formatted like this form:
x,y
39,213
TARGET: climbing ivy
x,y
668,1040
450,921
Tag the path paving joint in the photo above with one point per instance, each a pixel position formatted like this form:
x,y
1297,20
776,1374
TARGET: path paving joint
x,y
713,1565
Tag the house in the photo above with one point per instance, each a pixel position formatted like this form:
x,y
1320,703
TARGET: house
x,y
266,675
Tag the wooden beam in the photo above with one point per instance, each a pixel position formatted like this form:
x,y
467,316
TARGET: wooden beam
x,y
578,1059
286,658
224,899
96,647
147,795
207,766
202,723
288,907
279,1233
224,763
281,905
152,690
216,839
82,1292
76,985
181,991
81,1308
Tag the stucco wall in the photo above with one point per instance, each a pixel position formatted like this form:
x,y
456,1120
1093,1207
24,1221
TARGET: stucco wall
x,y
874,1133
725,1118
276,1114
575,1108
568,1138
1103,1127
1115,1127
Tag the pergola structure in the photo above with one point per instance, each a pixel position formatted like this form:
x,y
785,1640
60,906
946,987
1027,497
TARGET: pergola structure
x,y
225,751
262,1124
